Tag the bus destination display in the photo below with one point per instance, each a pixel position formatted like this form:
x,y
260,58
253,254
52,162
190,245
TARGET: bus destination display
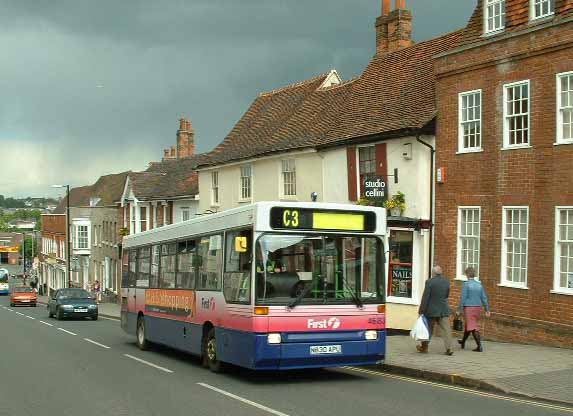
x,y
284,218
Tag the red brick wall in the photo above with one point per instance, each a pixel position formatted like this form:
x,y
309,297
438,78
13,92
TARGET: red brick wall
x,y
539,177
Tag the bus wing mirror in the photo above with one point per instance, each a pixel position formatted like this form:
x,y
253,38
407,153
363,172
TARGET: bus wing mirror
x,y
241,244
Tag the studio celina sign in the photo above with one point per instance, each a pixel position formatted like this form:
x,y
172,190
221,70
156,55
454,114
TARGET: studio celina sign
x,y
375,188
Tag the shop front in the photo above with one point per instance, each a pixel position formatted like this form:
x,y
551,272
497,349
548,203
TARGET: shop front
x,y
407,270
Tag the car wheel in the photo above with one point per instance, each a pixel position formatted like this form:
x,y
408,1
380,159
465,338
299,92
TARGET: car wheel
x,y
142,342
210,353
50,314
94,317
59,314
12,305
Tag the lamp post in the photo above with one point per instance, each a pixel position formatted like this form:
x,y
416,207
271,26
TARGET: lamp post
x,y
68,272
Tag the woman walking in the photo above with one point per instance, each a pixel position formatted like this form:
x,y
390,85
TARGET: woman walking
x,y
472,299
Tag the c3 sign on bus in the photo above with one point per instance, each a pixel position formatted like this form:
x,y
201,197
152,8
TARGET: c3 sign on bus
x,y
178,303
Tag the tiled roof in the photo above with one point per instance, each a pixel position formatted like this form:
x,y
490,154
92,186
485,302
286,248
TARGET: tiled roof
x,y
108,189
396,92
167,179
516,18
285,119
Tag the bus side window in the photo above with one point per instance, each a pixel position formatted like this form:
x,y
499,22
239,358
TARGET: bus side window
x,y
186,260
154,275
125,268
210,262
132,278
237,278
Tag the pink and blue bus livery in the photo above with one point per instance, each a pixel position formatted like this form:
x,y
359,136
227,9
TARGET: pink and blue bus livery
x,y
239,287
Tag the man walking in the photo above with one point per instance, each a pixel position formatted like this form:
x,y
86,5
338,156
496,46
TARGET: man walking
x,y
435,308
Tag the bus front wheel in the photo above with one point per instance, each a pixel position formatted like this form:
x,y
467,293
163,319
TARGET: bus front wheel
x,y
210,352
142,342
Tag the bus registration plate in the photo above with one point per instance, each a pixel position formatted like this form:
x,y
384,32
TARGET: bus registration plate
x,y
325,349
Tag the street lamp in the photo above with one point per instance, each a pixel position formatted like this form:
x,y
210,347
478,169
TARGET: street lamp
x,y
68,272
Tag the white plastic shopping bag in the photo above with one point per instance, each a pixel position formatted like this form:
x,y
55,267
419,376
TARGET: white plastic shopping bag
x,y
420,330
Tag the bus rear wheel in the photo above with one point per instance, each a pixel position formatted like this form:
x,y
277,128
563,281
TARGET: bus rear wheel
x,y
210,353
142,342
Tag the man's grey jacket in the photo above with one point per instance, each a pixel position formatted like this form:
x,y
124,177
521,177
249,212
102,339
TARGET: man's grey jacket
x,y
435,298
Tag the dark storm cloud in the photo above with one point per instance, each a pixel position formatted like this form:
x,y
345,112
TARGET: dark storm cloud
x,y
93,87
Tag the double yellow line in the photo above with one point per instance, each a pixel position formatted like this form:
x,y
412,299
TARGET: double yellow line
x,y
462,389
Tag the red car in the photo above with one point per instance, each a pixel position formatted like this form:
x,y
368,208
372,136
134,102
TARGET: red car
x,y
23,295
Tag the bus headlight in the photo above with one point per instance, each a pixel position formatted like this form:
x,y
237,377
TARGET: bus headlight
x,y
274,338
371,335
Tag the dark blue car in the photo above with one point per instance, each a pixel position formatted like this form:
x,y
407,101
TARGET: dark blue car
x,y
72,303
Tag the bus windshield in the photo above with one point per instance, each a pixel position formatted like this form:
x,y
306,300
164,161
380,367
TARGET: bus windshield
x,y
314,269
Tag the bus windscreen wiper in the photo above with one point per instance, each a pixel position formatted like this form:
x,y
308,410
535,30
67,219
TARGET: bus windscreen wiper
x,y
355,298
301,295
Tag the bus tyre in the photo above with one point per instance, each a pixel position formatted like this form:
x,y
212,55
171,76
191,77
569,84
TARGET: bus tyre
x,y
142,342
210,353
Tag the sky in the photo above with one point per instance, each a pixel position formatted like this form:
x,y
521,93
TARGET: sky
x,y
89,88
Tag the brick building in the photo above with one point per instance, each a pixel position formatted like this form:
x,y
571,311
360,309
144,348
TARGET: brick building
x,y
53,252
504,199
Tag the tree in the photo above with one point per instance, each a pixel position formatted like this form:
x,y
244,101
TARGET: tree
x,y
27,244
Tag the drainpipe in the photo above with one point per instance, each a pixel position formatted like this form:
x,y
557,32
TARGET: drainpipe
x,y
432,184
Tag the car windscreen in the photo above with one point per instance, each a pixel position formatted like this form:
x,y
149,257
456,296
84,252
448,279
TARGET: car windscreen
x,y
23,290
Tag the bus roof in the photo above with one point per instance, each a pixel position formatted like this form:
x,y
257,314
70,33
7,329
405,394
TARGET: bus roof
x,y
256,214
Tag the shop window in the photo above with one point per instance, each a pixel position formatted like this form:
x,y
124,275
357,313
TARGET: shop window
x,y
400,265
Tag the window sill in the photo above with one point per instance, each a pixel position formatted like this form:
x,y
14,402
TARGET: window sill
x,y
540,19
561,292
289,198
493,33
463,152
563,142
528,146
461,279
245,201
512,286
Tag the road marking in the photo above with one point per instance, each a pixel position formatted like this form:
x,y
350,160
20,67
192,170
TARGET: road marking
x,y
29,317
109,319
11,310
66,331
463,390
20,313
148,363
96,343
46,323
241,399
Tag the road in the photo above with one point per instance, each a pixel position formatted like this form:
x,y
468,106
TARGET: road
x,y
51,367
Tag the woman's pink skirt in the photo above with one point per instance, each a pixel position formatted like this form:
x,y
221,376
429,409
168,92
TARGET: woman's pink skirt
x,y
472,315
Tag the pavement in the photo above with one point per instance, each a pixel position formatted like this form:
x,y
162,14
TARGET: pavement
x,y
86,367
526,370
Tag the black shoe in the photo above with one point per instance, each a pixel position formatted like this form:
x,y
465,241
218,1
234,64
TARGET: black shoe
x,y
449,352
477,338
462,341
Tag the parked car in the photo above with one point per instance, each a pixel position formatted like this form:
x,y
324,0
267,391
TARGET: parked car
x,y
23,296
68,303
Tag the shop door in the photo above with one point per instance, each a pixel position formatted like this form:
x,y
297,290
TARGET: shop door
x,y
400,264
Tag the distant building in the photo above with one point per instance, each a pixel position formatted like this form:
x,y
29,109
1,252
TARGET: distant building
x,y
24,225
10,248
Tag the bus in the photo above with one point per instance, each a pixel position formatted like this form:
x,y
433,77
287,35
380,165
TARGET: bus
x,y
267,286
4,285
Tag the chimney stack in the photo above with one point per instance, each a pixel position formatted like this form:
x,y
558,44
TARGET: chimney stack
x,y
185,139
393,28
